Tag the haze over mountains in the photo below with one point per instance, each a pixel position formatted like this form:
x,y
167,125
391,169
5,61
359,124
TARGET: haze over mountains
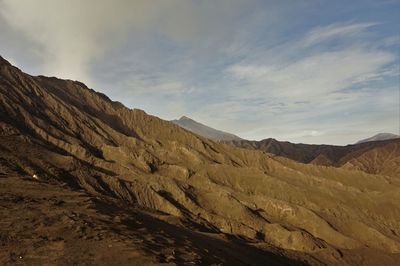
x,y
112,182
203,130
219,135
380,136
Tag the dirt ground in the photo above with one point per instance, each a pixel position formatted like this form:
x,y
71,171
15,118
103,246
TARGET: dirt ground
x,y
46,224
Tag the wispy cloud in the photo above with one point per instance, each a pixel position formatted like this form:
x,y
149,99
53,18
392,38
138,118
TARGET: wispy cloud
x,y
315,75
314,85
338,30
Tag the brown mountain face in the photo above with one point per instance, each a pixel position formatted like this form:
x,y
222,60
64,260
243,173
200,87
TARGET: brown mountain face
x,y
378,158
83,178
375,157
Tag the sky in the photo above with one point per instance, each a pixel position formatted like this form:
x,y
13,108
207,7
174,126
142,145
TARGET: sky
x,y
308,71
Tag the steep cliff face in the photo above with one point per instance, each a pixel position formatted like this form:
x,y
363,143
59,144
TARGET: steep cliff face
x,y
60,130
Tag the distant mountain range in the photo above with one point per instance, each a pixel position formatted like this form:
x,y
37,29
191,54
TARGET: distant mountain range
x,y
203,130
376,155
218,135
379,137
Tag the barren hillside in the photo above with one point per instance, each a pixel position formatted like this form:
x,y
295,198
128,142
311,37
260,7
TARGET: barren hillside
x,y
270,208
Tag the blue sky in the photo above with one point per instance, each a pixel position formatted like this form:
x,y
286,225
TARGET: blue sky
x,y
303,71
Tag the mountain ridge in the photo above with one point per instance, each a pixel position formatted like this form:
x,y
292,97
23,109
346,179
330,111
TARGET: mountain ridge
x,y
329,155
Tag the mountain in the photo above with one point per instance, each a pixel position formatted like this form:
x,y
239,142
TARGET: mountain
x,y
379,137
85,180
204,130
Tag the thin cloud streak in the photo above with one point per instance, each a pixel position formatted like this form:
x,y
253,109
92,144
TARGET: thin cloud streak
x,y
341,30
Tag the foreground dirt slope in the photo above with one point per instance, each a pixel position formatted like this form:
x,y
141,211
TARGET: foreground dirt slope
x,y
61,130
377,157
46,224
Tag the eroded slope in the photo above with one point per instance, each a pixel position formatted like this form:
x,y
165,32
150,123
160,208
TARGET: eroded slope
x,y
61,130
